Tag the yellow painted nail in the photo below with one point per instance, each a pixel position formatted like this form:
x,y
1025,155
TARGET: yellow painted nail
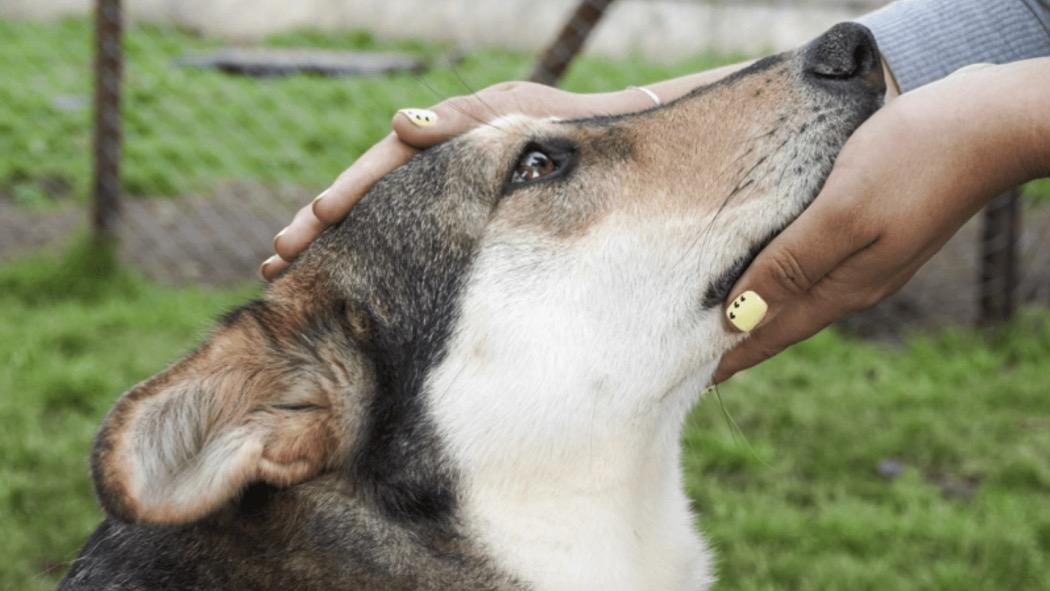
x,y
746,311
421,117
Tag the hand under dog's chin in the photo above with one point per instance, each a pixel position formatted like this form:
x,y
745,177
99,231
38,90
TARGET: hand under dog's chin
x,y
718,290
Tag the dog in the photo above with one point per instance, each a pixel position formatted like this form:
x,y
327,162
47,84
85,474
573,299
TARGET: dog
x,y
479,378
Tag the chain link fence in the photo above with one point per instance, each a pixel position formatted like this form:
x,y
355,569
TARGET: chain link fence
x,y
191,150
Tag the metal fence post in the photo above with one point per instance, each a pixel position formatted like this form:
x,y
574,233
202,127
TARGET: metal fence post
x,y
107,130
999,276
559,54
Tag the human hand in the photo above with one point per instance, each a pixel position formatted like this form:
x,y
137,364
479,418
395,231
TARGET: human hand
x,y
902,186
416,129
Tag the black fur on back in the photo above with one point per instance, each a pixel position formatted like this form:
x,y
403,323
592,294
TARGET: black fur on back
x,y
413,239
387,519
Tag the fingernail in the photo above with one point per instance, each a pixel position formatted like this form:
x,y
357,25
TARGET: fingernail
x,y
319,197
421,117
746,311
276,238
266,263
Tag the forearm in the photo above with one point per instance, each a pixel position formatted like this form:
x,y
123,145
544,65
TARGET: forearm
x,y
1024,84
995,126
1006,110
676,87
630,100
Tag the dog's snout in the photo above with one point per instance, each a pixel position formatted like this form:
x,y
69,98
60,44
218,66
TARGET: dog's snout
x,y
846,57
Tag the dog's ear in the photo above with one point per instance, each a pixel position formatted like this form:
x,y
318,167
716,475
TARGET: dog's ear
x,y
247,406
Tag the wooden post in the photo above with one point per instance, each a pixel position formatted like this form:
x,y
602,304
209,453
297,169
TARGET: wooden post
x,y
998,276
559,54
107,130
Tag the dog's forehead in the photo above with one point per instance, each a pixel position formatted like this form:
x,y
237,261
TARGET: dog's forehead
x,y
671,159
504,137
510,129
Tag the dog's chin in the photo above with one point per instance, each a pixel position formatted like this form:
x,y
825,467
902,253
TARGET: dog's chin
x,y
719,289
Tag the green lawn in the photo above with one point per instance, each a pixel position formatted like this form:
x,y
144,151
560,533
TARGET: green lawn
x,y
188,129
792,500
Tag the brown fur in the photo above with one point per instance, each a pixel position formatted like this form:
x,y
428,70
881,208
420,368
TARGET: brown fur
x,y
297,414
295,448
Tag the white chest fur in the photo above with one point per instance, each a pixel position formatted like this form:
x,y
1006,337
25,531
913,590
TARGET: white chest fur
x,y
596,525
561,400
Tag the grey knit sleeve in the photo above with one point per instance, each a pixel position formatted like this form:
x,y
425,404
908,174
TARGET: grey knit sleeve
x,y
925,40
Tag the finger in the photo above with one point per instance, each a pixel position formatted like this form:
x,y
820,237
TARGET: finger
x,y
423,128
333,205
272,267
861,282
292,240
805,319
826,234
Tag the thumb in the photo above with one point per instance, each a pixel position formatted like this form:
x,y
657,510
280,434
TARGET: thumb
x,y
455,116
422,128
825,235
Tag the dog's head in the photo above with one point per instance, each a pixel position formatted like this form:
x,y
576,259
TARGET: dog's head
x,y
504,286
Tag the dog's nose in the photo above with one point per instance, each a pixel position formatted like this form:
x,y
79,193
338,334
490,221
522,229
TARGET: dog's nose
x,y
845,58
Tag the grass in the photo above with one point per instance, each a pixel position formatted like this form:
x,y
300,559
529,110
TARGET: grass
x,y
796,501
1038,191
187,130
74,336
793,500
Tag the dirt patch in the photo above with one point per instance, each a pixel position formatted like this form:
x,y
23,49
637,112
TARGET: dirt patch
x,y
221,238
24,230
215,239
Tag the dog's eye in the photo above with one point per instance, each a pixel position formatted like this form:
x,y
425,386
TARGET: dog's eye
x,y
540,161
534,164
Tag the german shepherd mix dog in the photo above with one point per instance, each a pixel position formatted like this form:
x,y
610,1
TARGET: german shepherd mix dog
x,y
478,379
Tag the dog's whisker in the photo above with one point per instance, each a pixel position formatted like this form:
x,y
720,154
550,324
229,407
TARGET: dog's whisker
x,y
441,97
735,430
699,243
462,81
422,81
459,110
734,161
475,94
493,354
763,135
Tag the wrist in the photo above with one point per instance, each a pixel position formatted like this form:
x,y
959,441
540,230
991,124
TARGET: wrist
x,y
981,127
1032,122
631,100
1012,106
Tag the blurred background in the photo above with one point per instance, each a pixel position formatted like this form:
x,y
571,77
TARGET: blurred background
x,y
150,149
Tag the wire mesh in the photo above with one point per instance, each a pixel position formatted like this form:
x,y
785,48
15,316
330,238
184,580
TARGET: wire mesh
x,y
215,158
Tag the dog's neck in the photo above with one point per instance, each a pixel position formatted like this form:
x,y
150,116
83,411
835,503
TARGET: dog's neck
x,y
564,424
589,499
